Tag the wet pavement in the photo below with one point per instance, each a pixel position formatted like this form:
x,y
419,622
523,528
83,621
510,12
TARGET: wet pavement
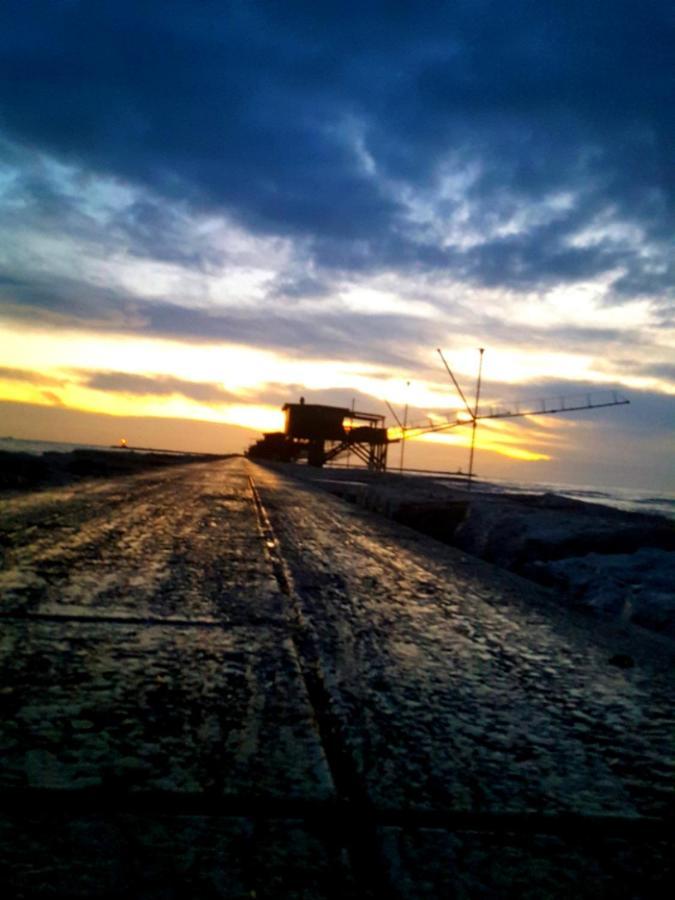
x,y
219,682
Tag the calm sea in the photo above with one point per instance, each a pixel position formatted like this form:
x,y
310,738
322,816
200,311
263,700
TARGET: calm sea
x,y
621,498
37,448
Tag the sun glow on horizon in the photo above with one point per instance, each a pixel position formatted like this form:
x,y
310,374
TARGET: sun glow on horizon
x,y
245,386
461,437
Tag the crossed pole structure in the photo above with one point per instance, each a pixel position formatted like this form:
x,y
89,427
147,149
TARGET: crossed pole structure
x,y
547,407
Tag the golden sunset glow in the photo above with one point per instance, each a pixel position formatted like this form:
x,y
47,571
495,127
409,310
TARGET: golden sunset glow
x,y
504,446
167,379
257,416
261,418
339,235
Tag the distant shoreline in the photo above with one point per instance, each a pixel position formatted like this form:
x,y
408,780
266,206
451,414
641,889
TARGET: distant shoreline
x,y
26,471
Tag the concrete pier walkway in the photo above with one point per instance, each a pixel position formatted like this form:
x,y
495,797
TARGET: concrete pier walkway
x,y
219,682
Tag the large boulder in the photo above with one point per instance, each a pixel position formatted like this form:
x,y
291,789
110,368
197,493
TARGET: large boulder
x,y
639,587
516,531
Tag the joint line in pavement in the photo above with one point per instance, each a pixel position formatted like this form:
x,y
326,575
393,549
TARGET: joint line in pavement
x,y
359,832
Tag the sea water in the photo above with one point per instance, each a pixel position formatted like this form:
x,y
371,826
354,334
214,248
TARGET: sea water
x,y
37,448
628,499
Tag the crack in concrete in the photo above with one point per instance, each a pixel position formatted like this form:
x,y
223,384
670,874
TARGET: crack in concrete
x,y
353,809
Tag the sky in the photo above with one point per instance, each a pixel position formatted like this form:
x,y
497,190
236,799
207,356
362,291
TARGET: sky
x,y
208,209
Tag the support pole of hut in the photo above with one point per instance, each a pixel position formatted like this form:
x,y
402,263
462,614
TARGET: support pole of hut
x,y
351,425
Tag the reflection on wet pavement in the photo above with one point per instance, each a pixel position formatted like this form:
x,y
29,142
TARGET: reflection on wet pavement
x,y
212,687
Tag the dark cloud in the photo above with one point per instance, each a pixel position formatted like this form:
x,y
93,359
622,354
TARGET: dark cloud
x,y
314,120
47,201
666,371
386,338
595,339
26,375
70,303
160,231
648,363
300,286
159,385
660,370
52,398
344,397
333,335
213,393
650,414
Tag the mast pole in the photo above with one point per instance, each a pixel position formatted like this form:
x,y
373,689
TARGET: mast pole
x,y
405,425
474,415
454,381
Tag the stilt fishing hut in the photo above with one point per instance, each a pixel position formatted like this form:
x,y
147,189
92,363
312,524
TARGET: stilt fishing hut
x,y
320,434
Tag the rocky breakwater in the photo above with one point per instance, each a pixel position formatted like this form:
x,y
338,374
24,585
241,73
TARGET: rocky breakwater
x,y
618,564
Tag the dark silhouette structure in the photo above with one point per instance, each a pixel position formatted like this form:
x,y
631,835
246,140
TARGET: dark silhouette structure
x,y
320,434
